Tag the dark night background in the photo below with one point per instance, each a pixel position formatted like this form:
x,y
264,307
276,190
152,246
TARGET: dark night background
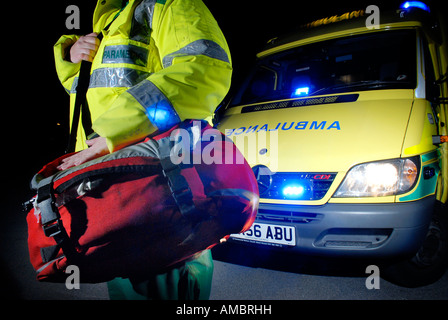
x,y
35,105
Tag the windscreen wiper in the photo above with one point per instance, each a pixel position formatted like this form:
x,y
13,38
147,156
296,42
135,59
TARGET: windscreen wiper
x,y
372,84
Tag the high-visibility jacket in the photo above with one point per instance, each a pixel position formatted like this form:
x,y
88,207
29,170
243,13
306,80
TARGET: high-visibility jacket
x,y
160,62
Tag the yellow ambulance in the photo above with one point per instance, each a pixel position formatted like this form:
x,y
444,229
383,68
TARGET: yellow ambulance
x,y
344,123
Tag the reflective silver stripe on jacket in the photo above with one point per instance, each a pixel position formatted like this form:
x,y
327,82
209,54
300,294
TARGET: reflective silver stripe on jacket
x,y
142,21
116,77
144,12
158,108
113,78
199,47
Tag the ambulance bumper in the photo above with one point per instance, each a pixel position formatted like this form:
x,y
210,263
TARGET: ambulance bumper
x,y
350,230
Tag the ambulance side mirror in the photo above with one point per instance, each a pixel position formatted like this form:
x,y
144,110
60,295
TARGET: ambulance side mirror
x,y
433,92
435,89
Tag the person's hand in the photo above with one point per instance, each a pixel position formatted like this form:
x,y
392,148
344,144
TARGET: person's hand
x,y
97,148
85,48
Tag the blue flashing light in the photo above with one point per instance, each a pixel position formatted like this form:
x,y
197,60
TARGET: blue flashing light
x,y
293,191
303,91
415,4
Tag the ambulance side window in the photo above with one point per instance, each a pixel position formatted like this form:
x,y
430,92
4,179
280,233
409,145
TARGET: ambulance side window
x,y
263,84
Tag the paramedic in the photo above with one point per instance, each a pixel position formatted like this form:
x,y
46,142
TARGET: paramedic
x,y
160,62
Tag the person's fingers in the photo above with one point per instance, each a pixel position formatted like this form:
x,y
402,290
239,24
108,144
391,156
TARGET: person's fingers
x,y
93,34
97,148
85,48
90,41
74,160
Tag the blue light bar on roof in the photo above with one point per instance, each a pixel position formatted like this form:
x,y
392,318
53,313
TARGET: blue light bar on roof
x,y
415,4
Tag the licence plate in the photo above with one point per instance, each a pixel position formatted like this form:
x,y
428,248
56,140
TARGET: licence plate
x,y
269,234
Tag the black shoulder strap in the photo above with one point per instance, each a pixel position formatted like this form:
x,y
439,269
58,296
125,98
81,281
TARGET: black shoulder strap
x,y
81,101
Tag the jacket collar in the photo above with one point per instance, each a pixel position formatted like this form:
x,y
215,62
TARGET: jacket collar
x,y
105,12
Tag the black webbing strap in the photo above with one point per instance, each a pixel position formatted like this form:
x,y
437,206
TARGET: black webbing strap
x,y
179,187
50,218
81,102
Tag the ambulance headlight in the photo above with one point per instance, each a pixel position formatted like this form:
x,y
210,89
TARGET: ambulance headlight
x,y
378,179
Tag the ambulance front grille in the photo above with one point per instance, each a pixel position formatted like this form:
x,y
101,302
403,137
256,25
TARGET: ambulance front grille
x,y
287,216
304,185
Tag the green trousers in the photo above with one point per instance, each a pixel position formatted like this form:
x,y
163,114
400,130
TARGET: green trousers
x,y
190,281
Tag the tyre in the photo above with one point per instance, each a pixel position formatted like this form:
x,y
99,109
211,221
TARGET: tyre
x,y
430,262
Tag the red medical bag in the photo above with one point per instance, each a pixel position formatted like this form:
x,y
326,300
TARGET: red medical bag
x,y
141,209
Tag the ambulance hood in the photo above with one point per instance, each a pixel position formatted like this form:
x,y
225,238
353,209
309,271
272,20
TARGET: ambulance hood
x,y
322,133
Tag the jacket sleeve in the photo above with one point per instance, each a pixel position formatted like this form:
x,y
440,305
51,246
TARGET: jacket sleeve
x,y
194,79
66,70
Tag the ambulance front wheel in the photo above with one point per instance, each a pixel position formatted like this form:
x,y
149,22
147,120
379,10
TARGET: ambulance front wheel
x,y
430,262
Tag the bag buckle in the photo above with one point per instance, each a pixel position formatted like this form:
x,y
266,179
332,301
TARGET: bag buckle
x,y
52,229
179,187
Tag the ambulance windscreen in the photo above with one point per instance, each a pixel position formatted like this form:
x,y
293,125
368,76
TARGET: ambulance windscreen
x,y
380,60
